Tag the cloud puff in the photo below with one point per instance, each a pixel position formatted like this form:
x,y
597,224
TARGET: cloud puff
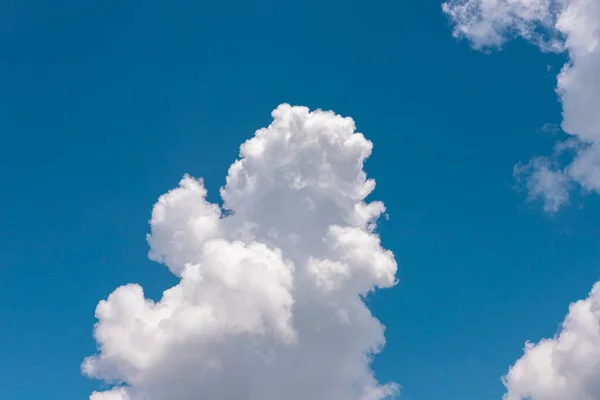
x,y
572,26
566,366
269,304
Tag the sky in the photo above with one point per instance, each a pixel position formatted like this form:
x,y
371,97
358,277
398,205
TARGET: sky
x,y
408,239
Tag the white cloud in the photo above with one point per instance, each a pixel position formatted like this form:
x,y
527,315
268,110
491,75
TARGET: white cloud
x,y
545,181
269,302
489,23
114,394
566,366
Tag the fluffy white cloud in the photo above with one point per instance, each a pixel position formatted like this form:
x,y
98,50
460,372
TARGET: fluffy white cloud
x,y
489,23
566,366
269,300
572,26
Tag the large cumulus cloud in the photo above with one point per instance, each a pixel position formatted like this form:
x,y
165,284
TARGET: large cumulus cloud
x,y
269,304
568,365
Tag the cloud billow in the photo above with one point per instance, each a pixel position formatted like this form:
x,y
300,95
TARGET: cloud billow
x,y
269,303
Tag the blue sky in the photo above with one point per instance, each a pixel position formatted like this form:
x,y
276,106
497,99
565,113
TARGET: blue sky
x,y
105,105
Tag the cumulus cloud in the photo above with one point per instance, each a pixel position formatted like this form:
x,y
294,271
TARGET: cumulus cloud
x,y
269,303
567,366
570,26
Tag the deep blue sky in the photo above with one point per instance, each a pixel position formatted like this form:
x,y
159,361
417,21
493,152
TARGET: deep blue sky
x,y
104,105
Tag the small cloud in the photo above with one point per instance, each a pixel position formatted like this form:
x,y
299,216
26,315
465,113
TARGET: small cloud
x,y
550,128
544,181
489,24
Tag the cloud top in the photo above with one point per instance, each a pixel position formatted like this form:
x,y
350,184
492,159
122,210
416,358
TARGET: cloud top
x,y
269,304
